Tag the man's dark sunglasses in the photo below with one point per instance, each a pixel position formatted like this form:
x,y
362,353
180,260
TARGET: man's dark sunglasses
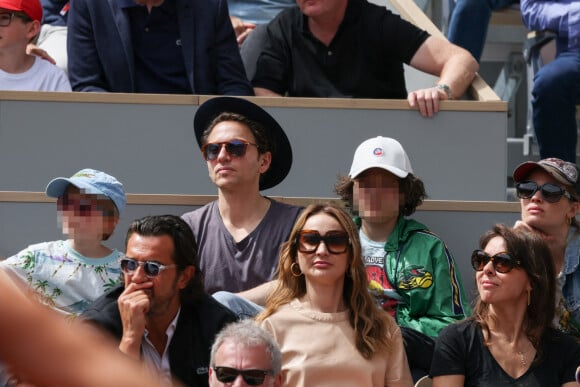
x,y
336,242
152,268
552,193
235,148
502,262
251,377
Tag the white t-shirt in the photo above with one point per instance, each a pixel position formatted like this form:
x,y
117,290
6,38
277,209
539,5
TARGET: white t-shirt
x,y
42,76
62,278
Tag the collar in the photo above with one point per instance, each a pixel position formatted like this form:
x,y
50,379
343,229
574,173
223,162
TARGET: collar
x,y
572,253
170,329
131,4
392,243
127,3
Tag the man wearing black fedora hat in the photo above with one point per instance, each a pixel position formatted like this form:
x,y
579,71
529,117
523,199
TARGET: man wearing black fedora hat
x,y
239,234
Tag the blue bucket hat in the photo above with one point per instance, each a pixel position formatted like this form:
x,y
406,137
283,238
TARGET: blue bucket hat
x,y
92,182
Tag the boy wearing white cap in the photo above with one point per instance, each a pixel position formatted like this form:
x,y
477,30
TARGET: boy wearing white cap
x,y
68,275
411,272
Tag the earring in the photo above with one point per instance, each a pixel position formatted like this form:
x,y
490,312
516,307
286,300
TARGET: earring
x,y
529,296
293,268
569,220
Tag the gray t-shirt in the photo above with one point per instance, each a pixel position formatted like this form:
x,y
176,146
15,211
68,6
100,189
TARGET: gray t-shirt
x,y
232,266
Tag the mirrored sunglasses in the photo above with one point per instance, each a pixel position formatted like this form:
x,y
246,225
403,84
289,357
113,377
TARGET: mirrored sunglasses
x,y
152,269
235,148
552,193
251,377
502,262
336,242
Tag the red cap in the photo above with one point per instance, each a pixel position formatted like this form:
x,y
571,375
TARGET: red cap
x,y
31,8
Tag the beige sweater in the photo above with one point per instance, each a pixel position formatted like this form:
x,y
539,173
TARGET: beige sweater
x,y
318,350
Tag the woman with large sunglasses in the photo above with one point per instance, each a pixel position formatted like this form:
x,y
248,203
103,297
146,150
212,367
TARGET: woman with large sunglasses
x,y
510,339
329,330
548,192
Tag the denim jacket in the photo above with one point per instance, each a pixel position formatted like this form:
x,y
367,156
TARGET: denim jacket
x,y
569,318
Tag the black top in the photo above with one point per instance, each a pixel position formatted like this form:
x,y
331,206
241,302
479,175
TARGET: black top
x,y
189,351
460,350
54,12
364,60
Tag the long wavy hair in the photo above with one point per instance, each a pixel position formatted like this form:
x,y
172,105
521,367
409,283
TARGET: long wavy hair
x,y
536,260
373,327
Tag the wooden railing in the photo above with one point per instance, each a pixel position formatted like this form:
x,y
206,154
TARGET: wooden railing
x,y
479,90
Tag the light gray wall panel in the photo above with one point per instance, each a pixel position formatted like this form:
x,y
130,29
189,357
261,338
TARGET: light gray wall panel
x,y
151,148
26,223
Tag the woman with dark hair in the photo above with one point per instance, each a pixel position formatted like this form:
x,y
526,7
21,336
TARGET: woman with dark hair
x,y
548,192
329,330
509,340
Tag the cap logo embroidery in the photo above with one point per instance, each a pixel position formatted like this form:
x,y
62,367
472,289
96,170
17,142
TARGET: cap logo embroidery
x,y
378,152
570,171
84,174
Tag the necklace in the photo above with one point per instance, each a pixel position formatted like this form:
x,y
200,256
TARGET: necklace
x,y
522,359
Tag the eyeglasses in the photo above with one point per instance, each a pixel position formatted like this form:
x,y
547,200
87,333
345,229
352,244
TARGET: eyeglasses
x,y
251,377
82,206
152,268
502,262
551,192
336,242
7,17
235,148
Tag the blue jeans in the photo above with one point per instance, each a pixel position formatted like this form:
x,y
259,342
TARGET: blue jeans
x,y
239,305
469,20
555,96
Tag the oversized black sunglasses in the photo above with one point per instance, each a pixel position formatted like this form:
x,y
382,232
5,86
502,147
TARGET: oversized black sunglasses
x,y
152,268
251,377
502,262
235,148
552,193
336,242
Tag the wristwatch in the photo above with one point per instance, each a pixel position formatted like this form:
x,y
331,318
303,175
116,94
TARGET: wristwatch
x,y
446,89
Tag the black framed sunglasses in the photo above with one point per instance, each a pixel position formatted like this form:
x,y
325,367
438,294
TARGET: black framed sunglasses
x,y
502,262
552,193
336,242
7,17
251,377
235,148
152,268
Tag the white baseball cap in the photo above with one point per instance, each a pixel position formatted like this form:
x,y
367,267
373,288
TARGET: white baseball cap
x,y
381,152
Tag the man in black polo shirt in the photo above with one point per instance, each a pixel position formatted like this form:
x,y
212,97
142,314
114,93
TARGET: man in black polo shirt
x,y
154,46
351,48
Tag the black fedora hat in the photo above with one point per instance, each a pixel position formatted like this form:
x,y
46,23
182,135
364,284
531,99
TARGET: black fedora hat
x,y
279,143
